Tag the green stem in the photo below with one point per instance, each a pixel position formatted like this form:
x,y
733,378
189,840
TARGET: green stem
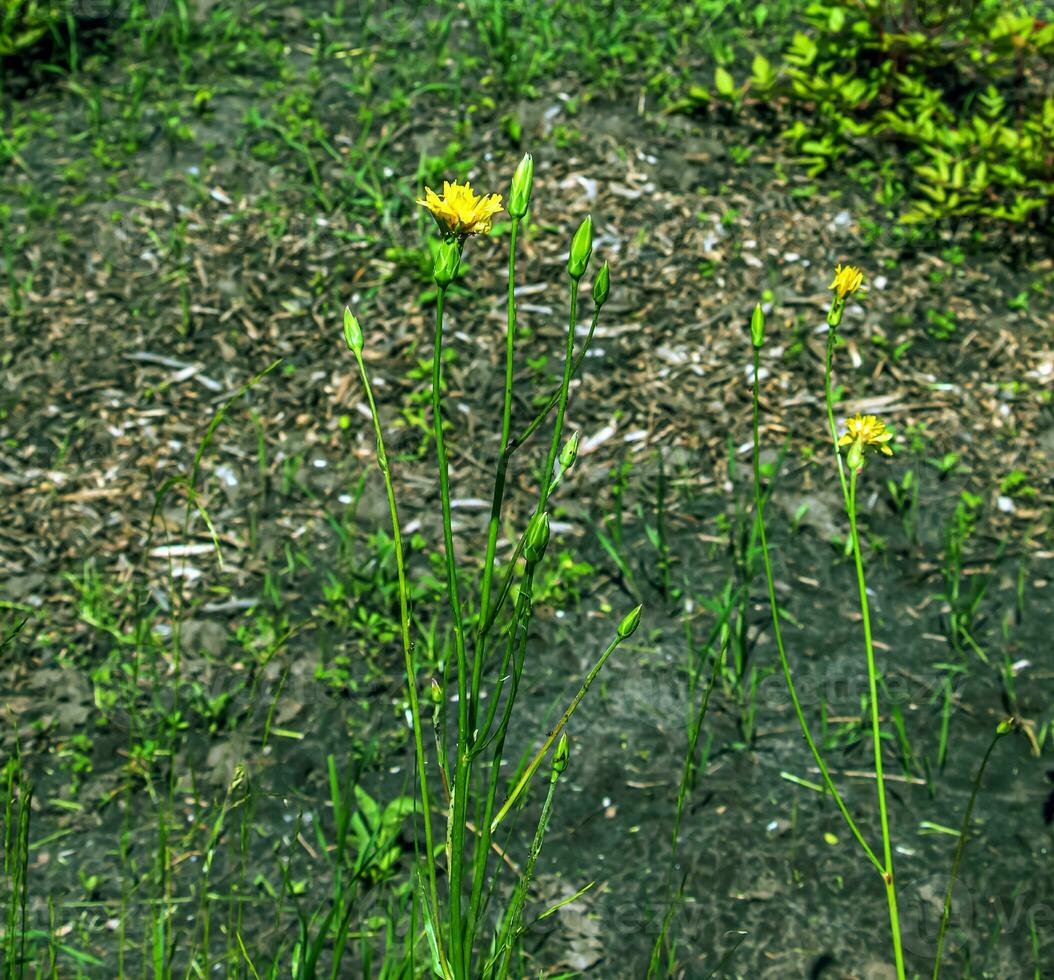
x,y
543,497
485,734
876,734
458,804
687,771
832,337
553,735
408,648
961,847
499,480
517,641
561,405
849,496
510,449
513,922
778,633
555,396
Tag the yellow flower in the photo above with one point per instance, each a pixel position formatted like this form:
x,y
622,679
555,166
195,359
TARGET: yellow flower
x,y
846,280
461,211
867,431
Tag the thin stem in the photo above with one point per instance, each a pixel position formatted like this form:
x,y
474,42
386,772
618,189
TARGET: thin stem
x,y
513,924
456,827
510,449
687,770
554,734
499,480
832,337
778,633
555,396
561,405
518,643
849,496
543,497
408,647
876,734
961,847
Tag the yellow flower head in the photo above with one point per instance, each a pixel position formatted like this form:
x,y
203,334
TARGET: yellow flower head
x,y
847,279
460,211
868,431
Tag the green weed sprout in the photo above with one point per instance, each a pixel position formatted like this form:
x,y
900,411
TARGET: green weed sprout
x,y
487,680
864,434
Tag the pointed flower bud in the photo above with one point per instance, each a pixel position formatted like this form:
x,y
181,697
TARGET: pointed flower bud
x,y
757,327
569,453
1006,726
352,332
834,314
537,539
629,625
600,286
854,459
520,194
435,692
581,249
561,755
447,262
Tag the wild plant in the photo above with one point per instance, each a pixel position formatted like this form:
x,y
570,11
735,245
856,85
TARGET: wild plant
x,y
465,779
863,436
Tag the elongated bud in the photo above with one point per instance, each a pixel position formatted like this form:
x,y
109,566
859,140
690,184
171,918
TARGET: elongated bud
x,y
537,539
854,459
629,625
569,453
352,332
834,314
1006,726
581,249
561,755
600,286
435,692
520,193
447,262
757,327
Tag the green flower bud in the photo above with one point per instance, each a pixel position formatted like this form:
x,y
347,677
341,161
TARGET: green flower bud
x,y
854,459
447,262
537,539
520,194
581,249
834,314
1006,726
561,755
435,692
352,332
757,327
600,286
569,453
629,625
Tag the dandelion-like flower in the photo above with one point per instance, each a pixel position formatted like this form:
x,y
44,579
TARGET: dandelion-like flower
x,y
867,431
847,280
460,211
